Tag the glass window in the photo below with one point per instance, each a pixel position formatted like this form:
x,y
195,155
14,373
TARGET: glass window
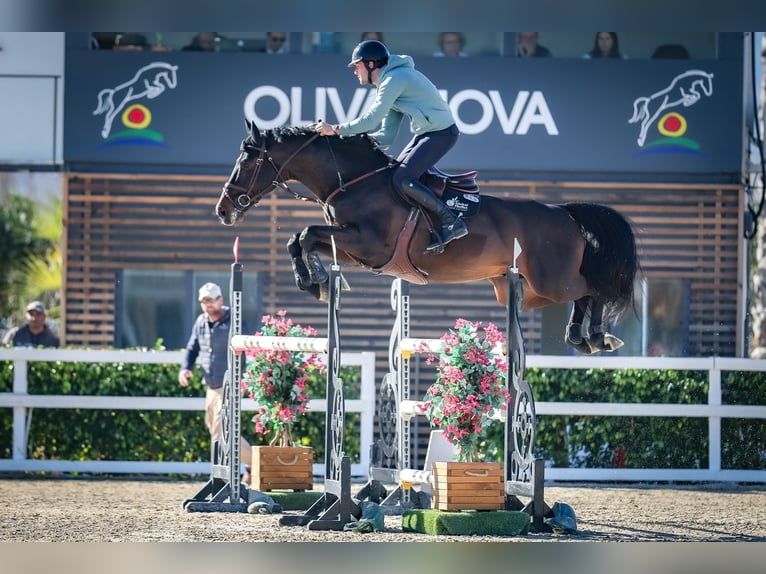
x,y
162,304
657,327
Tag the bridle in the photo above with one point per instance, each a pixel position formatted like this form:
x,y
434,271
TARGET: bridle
x,y
242,200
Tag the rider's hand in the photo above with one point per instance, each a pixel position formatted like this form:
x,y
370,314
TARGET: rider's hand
x,y
325,129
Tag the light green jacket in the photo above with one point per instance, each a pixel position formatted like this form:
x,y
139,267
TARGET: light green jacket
x,y
402,91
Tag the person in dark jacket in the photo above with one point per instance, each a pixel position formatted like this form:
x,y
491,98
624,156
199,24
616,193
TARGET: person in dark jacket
x,y
209,346
35,333
402,91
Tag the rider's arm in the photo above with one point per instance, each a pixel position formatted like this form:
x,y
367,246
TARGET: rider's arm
x,y
380,110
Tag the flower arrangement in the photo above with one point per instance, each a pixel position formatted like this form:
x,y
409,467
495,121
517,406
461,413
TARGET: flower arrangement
x,y
278,380
470,385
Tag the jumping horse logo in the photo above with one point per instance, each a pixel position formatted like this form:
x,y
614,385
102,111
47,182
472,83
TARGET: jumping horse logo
x,y
149,82
685,90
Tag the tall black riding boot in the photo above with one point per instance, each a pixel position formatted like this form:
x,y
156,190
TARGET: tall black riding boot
x,y
450,227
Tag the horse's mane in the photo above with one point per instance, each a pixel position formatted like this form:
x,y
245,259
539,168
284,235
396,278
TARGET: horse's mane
x,y
361,144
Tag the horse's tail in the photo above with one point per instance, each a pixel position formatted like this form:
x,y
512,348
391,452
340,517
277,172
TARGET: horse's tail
x,y
610,262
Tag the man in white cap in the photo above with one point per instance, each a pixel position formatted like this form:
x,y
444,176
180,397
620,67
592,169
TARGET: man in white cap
x,y
35,333
209,341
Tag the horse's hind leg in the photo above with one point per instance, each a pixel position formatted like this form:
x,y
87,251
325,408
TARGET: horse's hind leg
x,y
598,339
573,335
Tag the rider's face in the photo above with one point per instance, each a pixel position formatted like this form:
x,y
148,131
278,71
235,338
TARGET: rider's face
x,y
360,72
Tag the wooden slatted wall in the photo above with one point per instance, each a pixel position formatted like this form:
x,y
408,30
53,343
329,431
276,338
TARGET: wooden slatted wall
x,y
167,222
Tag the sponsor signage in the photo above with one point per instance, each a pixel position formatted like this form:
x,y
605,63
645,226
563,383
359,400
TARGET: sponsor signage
x,y
185,111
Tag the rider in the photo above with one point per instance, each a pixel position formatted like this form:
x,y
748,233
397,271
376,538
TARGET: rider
x,y
403,91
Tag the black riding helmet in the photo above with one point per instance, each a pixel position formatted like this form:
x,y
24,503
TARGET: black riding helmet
x,y
370,51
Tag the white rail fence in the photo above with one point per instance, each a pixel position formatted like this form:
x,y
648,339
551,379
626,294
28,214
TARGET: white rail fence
x,y
22,402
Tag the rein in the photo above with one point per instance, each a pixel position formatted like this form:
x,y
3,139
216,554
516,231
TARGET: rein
x,y
243,200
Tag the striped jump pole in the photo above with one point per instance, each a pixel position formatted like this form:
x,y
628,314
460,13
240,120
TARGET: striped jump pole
x,y
334,509
524,475
224,492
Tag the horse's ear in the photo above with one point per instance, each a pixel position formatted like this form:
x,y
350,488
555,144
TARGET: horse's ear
x,y
251,128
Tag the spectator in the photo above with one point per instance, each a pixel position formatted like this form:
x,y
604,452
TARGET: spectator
x,y
451,44
528,47
371,36
202,42
275,42
103,40
605,45
671,51
130,41
35,333
209,341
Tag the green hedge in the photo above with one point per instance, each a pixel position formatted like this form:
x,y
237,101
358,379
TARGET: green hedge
x,y
595,442
642,442
137,435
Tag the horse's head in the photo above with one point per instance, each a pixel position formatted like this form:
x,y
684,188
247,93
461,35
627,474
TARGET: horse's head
x,y
254,175
266,160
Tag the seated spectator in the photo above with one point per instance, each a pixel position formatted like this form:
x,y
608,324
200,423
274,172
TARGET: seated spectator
x,y
35,333
451,44
528,47
605,45
202,42
671,51
103,40
371,36
130,41
275,42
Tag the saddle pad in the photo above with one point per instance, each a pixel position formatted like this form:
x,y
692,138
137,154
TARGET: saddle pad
x,y
464,204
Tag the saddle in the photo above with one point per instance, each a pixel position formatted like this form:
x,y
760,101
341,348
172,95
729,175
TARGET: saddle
x,y
438,181
459,192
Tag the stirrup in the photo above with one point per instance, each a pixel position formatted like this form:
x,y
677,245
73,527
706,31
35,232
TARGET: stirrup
x,y
451,234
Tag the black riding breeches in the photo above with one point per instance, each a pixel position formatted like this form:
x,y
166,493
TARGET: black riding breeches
x,y
422,153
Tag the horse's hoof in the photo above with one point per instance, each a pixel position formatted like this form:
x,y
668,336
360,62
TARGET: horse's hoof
x,y
581,347
315,290
612,343
324,292
303,283
605,342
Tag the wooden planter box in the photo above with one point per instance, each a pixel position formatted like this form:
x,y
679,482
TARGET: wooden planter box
x,y
278,467
467,486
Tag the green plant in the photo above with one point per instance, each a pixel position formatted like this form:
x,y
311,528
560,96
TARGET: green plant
x,y
278,379
24,249
470,385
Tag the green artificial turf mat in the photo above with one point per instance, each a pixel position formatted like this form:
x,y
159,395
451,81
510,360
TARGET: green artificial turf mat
x,y
495,522
290,500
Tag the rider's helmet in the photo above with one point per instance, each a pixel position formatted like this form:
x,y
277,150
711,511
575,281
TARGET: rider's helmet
x,y
370,51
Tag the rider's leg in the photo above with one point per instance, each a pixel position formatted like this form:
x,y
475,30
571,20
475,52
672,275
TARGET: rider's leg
x,y
418,156
450,227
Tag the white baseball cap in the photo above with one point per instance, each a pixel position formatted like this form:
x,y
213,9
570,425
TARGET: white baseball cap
x,y
209,290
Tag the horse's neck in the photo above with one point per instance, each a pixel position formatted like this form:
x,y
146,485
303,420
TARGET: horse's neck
x,y
320,172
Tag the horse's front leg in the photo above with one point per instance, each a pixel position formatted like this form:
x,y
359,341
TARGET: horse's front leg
x,y
301,272
308,245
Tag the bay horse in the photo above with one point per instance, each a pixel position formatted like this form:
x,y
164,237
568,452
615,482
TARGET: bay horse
x,y
580,252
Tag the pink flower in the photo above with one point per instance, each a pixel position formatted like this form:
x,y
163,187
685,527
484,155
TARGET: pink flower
x,y
470,384
278,380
